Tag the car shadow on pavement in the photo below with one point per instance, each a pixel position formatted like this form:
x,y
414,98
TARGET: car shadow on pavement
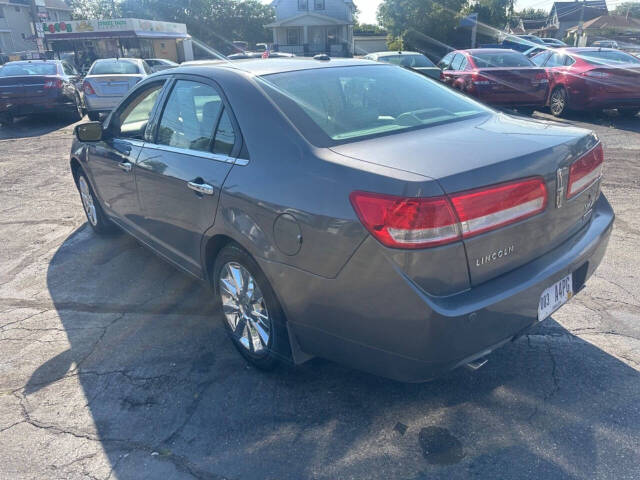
x,y
166,394
609,118
35,126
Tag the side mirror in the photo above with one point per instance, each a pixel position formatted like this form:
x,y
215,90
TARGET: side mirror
x,y
89,132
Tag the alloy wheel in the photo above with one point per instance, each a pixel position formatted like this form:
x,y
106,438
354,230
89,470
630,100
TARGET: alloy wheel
x,y
244,308
558,101
87,201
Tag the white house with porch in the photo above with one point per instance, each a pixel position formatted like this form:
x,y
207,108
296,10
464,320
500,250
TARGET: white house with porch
x,y
309,27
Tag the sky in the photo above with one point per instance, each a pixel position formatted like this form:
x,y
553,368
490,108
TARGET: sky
x,y
368,8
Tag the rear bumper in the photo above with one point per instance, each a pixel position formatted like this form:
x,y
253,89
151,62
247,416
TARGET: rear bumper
x,y
95,103
36,105
374,318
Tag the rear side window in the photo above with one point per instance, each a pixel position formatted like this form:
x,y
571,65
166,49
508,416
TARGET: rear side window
x,y
540,58
19,69
225,137
190,116
114,67
497,60
457,62
556,60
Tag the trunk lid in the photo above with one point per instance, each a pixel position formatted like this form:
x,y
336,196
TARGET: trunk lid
x,y
24,86
513,79
619,79
485,151
112,85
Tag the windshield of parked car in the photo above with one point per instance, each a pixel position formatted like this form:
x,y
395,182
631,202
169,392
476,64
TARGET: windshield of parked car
x,y
408,60
333,105
606,57
500,59
114,67
16,69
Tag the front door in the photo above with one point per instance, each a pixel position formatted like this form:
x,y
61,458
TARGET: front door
x,y
113,158
179,173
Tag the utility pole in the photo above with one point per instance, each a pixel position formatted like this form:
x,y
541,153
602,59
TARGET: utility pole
x,y
580,24
36,24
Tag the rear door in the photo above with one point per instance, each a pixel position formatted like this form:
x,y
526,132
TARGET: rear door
x,y
111,160
181,169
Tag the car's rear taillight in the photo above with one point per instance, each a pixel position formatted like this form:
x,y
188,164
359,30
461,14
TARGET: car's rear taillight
x,y
407,222
88,89
53,83
493,207
585,171
479,79
427,222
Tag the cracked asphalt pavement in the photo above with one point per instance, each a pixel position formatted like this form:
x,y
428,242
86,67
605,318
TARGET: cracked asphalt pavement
x,y
115,365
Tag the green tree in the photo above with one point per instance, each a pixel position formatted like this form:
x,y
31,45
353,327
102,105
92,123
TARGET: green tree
x,y
532,14
84,9
631,8
493,13
425,25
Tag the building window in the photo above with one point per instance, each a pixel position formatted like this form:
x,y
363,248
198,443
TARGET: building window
x,y
1,12
303,4
293,36
318,4
17,9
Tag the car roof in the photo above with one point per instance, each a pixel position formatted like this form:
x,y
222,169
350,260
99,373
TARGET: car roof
x,y
488,50
588,49
16,62
391,53
267,66
126,59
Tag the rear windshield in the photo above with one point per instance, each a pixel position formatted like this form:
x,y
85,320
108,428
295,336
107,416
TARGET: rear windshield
x,y
408,60
114,67
605,57
12,70
506,59
339,104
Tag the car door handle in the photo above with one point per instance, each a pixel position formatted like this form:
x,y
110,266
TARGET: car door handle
x,y
126,166
204,188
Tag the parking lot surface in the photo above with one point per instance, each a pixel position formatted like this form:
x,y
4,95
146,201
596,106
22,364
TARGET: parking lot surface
x,y
113,364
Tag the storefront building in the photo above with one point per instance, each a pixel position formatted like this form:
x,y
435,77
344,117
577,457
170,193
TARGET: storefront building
x,y
88,40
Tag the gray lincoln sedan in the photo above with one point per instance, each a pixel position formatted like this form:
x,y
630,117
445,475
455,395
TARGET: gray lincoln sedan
x,y
349,209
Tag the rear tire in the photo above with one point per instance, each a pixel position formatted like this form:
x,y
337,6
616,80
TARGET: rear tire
x,y
558,102
251,313
77,113
96,217
628,112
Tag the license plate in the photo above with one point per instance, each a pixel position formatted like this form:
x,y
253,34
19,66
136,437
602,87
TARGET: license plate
x,y
555,296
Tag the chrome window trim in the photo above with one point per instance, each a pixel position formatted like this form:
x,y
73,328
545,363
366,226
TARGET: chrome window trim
x,y
196,153
133,141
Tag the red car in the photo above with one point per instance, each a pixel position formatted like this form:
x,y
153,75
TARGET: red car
x,y
591,79
496,76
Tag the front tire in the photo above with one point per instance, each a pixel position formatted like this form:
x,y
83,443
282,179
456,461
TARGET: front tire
x,y
252,315
78,112
558,102
95,215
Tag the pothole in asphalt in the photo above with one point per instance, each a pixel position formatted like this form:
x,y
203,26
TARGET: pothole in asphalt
x,y
439,446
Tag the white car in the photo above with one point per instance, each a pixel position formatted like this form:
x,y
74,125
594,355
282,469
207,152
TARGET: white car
x,y
108,80
158,64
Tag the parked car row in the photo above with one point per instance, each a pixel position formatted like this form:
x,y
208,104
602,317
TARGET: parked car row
x,y
561,78
33,87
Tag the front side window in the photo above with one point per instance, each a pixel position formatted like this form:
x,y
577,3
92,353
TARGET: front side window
x,y
190,116
339,104
132,120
